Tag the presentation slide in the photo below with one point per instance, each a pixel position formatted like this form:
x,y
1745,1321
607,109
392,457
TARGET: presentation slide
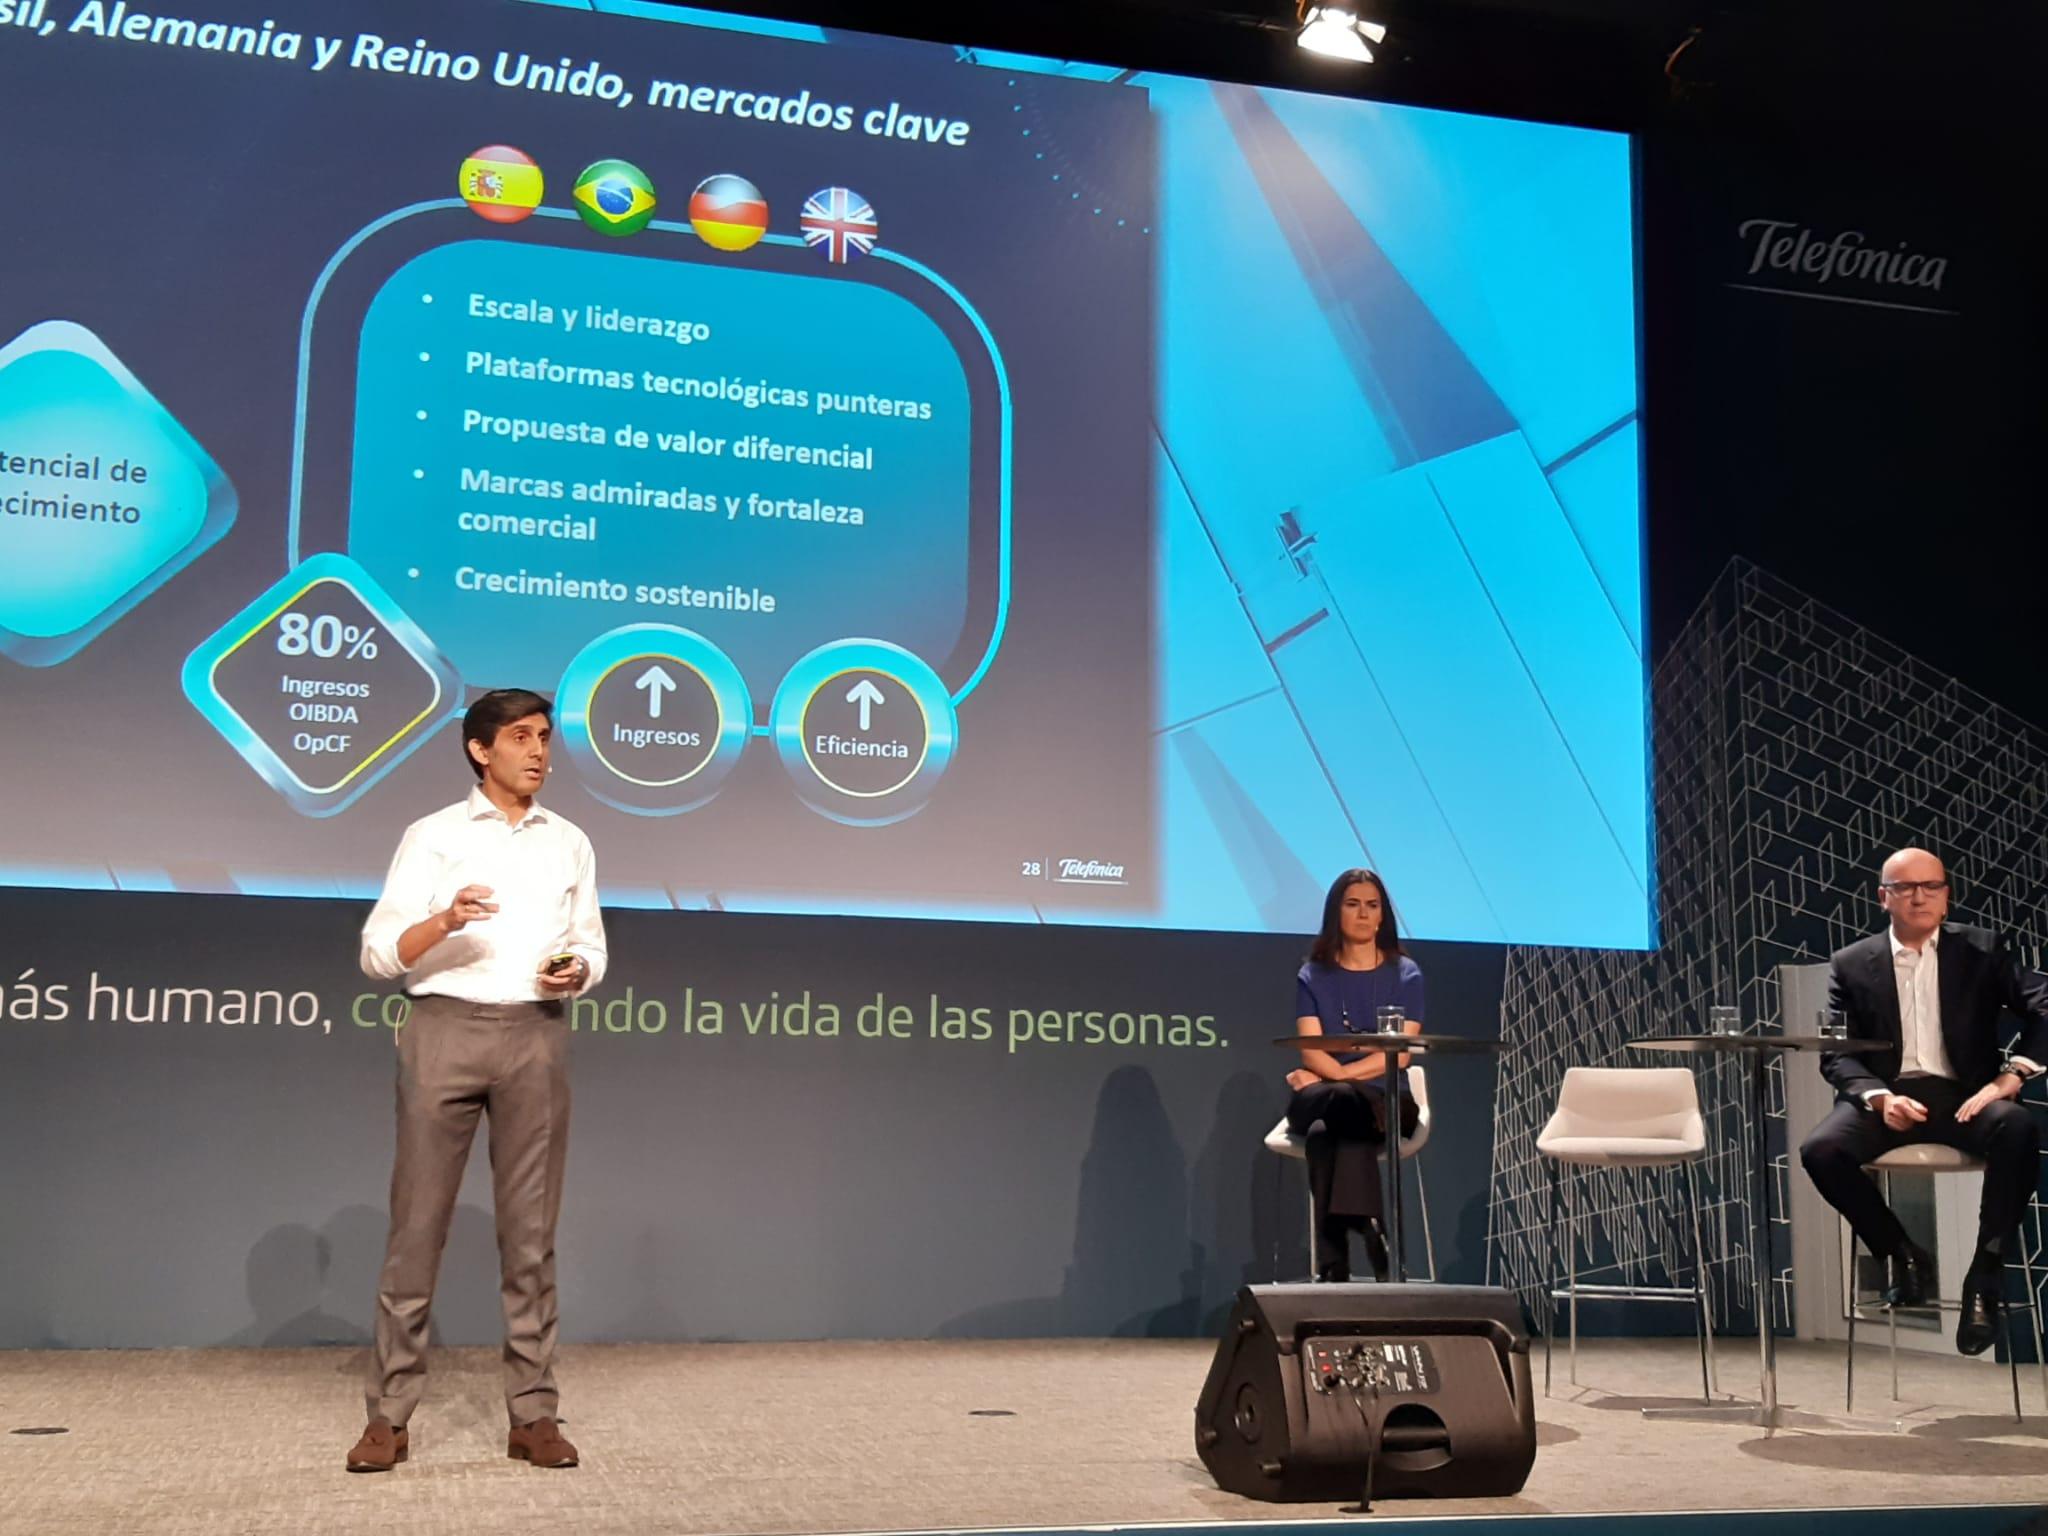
x,y
930,483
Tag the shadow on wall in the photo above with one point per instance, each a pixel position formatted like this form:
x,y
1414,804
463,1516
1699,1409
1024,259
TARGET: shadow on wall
x,y
1463,1262
1160,1248
310,1287
1247,1208
1156,1253
656,1286
287,1277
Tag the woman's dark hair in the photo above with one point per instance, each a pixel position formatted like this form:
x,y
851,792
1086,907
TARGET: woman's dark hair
x,y
493,712
1330,941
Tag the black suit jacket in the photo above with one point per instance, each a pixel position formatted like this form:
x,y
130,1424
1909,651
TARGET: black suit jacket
x,y
1980,980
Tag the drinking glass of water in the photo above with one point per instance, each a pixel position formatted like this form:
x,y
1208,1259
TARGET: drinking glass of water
x,y
1724,1020
1391,1019
1834,1024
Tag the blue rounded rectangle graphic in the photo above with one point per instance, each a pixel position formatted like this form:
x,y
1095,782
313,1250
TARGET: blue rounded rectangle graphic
x,y
550,440
322,683
104,495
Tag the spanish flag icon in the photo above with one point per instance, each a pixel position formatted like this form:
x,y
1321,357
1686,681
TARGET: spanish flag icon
x,y
728,212
500,183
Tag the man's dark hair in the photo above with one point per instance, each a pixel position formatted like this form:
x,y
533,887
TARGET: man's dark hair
x,y
493,712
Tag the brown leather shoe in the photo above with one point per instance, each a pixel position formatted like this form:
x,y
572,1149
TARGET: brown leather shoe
x,y
381,1448
541,1443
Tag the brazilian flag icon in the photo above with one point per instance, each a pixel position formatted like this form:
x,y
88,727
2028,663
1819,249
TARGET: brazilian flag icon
x,y
614,197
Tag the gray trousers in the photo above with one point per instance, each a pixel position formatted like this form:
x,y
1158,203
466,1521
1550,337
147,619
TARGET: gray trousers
x,y
457,1061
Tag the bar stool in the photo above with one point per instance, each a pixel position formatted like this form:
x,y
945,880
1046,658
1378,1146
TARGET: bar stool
x,y
1933,1158
1283,1141
1624,1117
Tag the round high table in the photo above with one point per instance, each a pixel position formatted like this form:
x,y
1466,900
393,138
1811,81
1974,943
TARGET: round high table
x,y
1390,1166
1764,1412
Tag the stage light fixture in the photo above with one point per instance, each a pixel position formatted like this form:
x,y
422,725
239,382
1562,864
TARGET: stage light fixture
x,y
1337,33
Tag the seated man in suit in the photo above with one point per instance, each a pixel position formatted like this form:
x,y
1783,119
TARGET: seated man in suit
x,y
1934,992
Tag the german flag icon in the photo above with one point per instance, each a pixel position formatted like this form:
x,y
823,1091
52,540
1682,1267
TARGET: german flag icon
x,y
728,212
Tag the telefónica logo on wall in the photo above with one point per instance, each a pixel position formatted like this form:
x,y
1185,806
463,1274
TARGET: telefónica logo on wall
x,y
1795,261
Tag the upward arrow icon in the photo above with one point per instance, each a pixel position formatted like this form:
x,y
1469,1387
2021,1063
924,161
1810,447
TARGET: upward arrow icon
x,y
657,682
867,696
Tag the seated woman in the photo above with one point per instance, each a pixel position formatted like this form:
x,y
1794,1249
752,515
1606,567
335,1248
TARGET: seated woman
x,y
1339,1107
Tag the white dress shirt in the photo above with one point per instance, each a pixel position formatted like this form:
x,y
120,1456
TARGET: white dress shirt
x,y
1921,1049
542,875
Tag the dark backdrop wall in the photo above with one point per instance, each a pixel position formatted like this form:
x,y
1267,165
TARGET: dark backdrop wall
x,y
1870,444
1875,443
772,1138
1845,411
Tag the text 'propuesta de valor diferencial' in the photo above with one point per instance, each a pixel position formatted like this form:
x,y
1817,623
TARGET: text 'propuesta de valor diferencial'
x,y
751,447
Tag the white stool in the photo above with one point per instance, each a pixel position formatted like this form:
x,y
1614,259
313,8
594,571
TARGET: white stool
x,y
1933,1158
1625,1117
1283,1141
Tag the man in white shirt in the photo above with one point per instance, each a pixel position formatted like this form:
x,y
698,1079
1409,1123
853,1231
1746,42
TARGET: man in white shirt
x,y
1935,992
490,915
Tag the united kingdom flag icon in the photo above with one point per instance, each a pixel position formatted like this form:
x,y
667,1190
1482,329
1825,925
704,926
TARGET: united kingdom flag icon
x,y
839,222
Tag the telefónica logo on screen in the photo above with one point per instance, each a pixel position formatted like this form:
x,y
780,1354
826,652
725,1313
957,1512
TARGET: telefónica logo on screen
x,y
1090,872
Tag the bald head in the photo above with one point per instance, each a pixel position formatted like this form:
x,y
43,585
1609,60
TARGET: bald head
x,y
1913,864
1914,889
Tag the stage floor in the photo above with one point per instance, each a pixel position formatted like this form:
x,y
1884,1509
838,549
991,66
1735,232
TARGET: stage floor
x,y
906,1436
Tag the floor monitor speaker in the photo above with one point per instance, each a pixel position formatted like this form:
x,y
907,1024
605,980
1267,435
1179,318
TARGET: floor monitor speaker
x,y
1428,1383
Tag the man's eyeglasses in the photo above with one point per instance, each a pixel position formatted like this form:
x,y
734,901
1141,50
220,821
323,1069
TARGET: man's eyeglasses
x,y
1908,887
